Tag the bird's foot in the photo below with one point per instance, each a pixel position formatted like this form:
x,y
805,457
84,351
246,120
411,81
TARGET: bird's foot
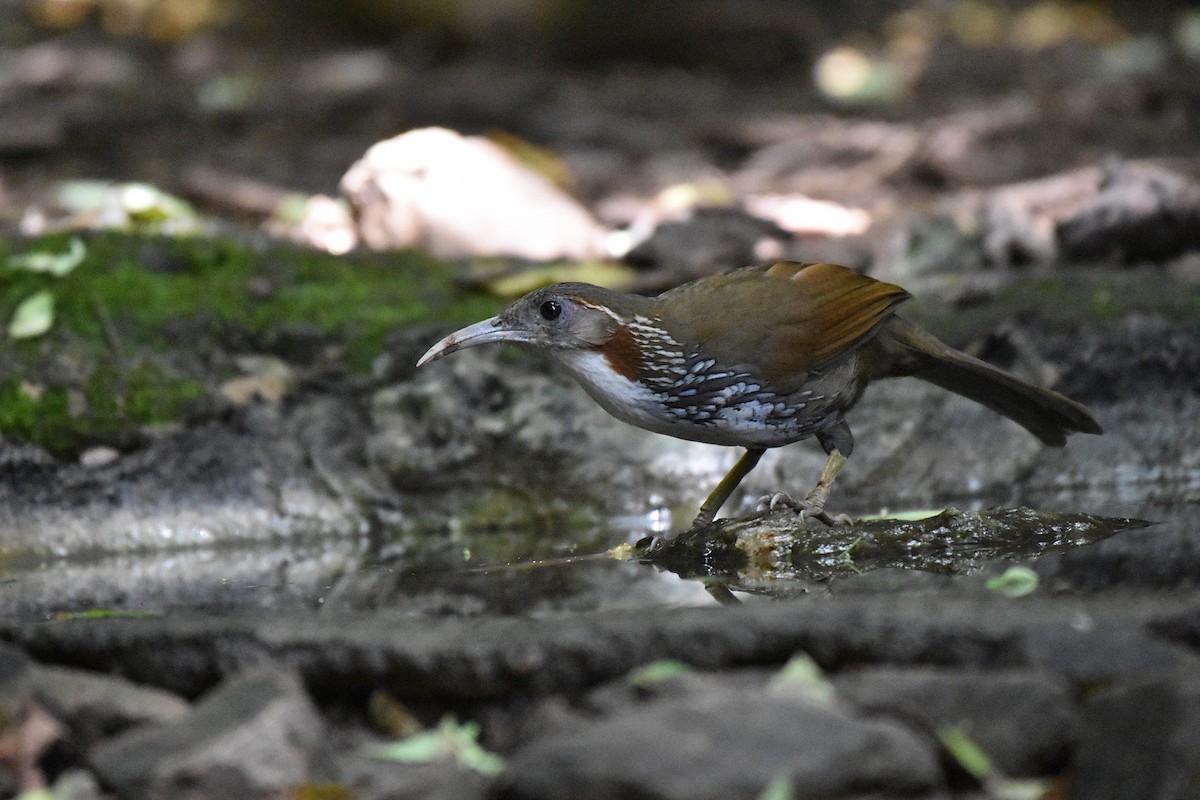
x,y
811,507
777,500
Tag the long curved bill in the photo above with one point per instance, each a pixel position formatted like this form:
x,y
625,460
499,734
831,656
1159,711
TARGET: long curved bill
x,y
489,330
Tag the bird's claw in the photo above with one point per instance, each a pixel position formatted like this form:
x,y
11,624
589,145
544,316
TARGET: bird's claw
x,y
777,500
812,507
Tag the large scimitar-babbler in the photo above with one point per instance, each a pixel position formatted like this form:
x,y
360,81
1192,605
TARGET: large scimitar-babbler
x,y
759,357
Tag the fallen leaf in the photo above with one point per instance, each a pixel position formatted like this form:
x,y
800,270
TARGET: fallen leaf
x,y
33,316
803,676
1014,582
598,273
450,741
56,264
657,671
965,752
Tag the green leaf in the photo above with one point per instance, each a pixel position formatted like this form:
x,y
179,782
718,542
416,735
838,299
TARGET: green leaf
x,y
480,760
33,316
913,515
780,788
56,264
657,671
420,748
106,613
803,676
963,750
1014,582
451,741
146,204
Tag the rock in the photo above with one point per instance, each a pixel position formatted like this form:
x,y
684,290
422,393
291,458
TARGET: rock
x,y
92,704
15,669
1018,221
377,779
471,409
1142,211
1089,653
478,658
1181,624
256,732
710,240
727,743
458,196
202,485
75,784
1141,741
1127,211
1024,720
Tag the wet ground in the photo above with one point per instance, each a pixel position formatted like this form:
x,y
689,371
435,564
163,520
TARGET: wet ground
x,y
248,600
487,560
612,566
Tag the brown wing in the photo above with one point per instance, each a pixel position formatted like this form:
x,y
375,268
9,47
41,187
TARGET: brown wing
x,y
784,321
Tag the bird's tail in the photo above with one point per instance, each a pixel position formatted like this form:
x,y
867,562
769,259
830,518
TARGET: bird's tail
x,y
1046,414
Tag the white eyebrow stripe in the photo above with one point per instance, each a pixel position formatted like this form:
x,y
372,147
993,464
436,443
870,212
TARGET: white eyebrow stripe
x,y
596,307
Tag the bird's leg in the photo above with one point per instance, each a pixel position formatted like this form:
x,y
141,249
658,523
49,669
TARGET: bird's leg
x,y
708,511
814,504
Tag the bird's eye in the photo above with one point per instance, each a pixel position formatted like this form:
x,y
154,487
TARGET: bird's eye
x,y
550,310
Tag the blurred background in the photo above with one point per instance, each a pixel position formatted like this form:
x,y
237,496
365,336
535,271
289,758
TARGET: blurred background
x,y
630,98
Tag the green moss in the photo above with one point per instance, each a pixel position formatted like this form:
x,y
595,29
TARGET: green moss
x,y
141,317
111,412
146,282
152,397
17,408
41,416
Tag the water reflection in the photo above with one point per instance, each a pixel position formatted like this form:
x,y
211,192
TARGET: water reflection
x,y
552,571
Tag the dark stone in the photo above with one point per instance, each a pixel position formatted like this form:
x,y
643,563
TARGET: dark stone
x,y
1182,624
180,489
378,779
483,658
1023,719
1095,656
1141,741
256,732
14,668
94,705
76,784
710,240
727,743
1141,356
1141,212
1161,557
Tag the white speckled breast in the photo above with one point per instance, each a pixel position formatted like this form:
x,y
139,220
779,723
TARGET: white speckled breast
x,y
700,402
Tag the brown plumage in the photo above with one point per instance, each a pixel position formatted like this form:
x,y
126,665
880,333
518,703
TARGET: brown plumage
x,y
759,357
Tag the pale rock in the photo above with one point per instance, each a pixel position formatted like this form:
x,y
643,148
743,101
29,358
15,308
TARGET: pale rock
x,y
459,196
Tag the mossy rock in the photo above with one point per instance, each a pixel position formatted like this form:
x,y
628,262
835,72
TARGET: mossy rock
x,y
145,327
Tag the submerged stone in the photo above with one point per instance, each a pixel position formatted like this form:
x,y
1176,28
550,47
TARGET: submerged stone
x,y
782,545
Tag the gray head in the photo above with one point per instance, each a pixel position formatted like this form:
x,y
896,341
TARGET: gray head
x,y
564,316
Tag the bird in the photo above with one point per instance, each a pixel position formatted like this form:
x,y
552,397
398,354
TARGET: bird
x,y
757,357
